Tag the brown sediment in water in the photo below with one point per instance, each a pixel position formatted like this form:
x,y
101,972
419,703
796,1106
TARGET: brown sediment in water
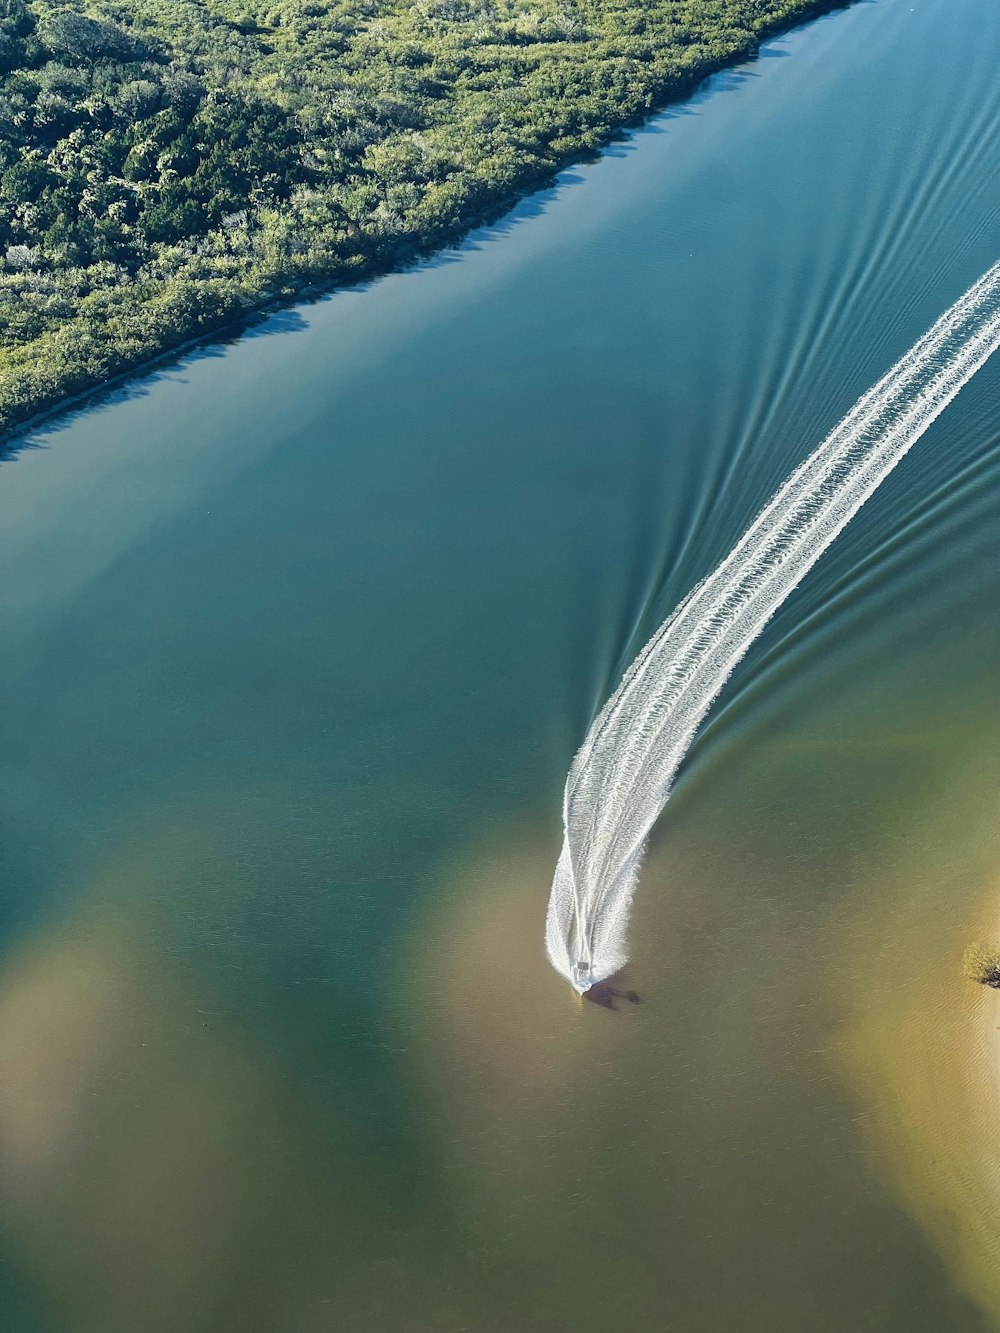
x,y
921,1042
160,1157
127,1125
711,1113
508,1018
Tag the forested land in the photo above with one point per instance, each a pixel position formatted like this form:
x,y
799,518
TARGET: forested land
x,y
169,166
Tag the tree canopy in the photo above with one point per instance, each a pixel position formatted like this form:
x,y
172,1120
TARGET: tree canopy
x,y
167,166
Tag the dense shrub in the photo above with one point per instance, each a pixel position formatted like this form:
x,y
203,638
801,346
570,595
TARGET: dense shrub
x,y
167,165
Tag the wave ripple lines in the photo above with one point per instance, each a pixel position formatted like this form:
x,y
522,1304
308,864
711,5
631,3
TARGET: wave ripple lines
x,y
621,778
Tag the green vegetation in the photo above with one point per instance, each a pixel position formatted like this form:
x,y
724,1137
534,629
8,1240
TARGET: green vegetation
x,y
982,964
169,166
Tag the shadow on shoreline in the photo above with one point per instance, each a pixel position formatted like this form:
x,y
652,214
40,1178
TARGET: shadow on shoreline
x,y
527,201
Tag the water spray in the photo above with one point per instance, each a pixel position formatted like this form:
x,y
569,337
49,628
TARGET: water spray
x,y
621,778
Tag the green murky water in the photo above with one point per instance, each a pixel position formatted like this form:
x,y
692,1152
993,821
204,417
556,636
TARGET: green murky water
x,y
299,639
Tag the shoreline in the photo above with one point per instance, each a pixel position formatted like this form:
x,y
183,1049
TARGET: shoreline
x,y
47,395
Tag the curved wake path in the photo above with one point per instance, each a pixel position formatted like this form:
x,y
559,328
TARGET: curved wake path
x,y
621,778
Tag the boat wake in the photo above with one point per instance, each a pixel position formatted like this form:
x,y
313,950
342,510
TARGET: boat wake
x,y
620,779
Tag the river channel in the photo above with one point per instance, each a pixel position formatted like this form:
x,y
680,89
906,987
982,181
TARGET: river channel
x,y
300,635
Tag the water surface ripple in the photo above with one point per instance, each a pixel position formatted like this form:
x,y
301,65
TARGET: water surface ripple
x,y
298,637
621,777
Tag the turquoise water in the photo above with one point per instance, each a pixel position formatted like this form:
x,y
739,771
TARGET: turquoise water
x,y
299,639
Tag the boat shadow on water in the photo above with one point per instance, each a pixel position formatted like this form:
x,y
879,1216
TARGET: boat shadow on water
x,y
607,996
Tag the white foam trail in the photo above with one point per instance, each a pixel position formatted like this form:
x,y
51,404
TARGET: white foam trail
x,y
620,779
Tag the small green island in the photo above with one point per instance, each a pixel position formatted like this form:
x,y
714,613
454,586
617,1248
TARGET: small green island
x,y
982,964
170,167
